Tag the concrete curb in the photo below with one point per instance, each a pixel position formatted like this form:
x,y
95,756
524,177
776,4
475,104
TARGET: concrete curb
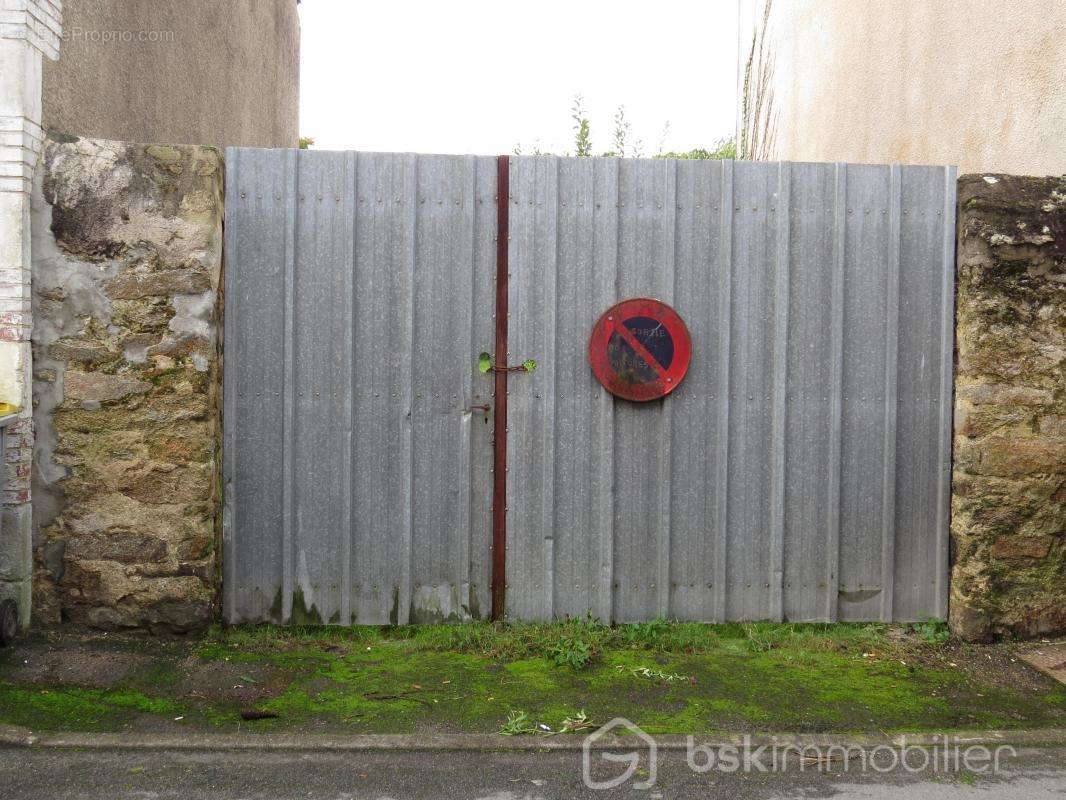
x,y
11,736
14,736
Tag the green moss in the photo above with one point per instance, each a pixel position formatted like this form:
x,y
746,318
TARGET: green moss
x,y
74,708
469,677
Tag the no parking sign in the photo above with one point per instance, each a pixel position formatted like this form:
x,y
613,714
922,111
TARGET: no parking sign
x,y
640,349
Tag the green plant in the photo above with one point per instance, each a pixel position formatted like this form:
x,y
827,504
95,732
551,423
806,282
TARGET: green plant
x,y
622,143
306,142
570,651
582,138
722,149
622,128
518,724
579,722
763,637
931,631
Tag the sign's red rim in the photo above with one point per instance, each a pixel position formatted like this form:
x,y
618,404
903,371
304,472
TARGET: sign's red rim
x,y
669,378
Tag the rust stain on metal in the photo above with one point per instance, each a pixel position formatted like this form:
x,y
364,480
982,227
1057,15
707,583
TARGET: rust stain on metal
x,y
499,429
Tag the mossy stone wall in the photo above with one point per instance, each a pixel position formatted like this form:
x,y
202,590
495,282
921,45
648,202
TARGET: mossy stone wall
x,y
127,261
1009,489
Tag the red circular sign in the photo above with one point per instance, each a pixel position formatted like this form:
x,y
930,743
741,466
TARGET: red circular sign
x,y
640,349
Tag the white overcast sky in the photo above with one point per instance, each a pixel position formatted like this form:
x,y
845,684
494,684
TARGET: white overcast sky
x,y
470,76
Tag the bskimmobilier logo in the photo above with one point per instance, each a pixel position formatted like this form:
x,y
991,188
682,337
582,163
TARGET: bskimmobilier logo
x,y
631,757
622,742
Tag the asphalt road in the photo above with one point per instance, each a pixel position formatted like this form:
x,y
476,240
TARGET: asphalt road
x,y
146,775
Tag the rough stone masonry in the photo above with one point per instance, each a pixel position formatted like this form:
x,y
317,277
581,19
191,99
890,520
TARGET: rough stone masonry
x,y
127,259
1009,490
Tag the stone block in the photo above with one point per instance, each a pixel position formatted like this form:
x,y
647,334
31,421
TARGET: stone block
x,y
99,387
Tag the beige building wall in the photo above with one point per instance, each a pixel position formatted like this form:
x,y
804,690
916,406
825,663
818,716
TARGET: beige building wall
x,y
976,83
178,71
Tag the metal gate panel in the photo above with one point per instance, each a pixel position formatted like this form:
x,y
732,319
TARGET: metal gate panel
x,y
813,396
356,471
258,251
702,278
923,472
801,471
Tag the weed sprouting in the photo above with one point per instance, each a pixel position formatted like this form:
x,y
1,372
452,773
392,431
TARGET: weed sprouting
x,y
931,631
570,652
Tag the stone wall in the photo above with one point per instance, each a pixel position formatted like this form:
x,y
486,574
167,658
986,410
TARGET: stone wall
x,y
1009,494
127,259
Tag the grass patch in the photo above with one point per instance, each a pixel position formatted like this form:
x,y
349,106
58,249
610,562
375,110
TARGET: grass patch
x,y
575,643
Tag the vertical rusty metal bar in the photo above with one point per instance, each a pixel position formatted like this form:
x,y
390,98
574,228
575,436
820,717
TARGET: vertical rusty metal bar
x,y
499,423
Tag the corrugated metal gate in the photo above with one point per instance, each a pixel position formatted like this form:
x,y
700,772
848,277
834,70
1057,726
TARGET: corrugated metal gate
x,y
801,471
